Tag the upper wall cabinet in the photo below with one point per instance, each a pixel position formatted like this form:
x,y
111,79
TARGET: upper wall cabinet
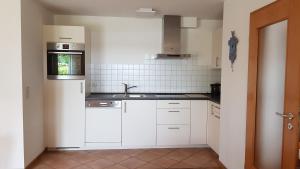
x,y
68,34
216,61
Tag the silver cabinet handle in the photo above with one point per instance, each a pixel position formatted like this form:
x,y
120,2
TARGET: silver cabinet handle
x,y
173,111
125,107
81,87
173,128
289,116
67,53
173,103
65,38
217,61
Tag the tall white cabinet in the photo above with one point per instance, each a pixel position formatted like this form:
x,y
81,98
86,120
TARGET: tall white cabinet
x,y
65,105
216,61
139,123
64,99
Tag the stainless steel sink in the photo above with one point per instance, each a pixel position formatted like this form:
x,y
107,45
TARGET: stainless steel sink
x,y
136,95
118,95
130,95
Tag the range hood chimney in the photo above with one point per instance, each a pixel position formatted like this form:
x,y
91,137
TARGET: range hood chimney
x,y
171,39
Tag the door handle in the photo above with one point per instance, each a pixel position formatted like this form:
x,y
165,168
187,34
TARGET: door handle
x,y
289,116
125,107
81,87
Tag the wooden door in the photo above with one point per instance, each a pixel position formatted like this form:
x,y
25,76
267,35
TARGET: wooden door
x,y
283,16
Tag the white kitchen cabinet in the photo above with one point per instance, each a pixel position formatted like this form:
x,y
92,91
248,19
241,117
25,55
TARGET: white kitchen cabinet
x,y
173,116
103,125
68,34
138,123
65,113
173,104
199,121
216,61
213,127
172,135
173,122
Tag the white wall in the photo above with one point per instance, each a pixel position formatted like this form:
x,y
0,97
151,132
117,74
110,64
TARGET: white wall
x,y
122,40
33,18
234,99
11,109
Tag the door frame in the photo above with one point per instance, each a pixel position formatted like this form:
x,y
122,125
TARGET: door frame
x,y
277,11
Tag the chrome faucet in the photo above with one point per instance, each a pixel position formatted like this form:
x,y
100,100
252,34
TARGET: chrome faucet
x,y
126,88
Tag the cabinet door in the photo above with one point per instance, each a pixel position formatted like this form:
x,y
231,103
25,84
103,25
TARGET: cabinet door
x,y
213,127
168,135
217,37
210,127
103,125
68,34
198,121
138,123
65,113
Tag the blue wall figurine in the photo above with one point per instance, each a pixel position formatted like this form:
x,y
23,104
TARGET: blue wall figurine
x,y
233,42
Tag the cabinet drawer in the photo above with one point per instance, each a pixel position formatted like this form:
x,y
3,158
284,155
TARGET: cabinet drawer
x,y
70,34
173,116
173,135
172,104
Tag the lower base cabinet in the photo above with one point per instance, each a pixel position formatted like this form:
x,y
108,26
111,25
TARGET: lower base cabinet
x,y
199,121
213,127
170,135
139,123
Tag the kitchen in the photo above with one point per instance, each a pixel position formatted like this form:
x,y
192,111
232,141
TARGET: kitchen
x,y
148,84
161,100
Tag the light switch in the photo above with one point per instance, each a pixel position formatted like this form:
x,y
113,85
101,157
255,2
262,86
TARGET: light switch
x,y
27,92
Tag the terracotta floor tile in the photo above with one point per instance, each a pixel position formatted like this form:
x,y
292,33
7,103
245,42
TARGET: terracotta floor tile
x,y
178,155
133,152
164,162
148,155
117,166
83,157
150,166
187,158
104,153
182,165
99,164
117,157
132,163
82,167
40,166
162,151
198,161
62,163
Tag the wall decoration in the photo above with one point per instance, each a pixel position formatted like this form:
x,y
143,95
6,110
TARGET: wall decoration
x,y
233,42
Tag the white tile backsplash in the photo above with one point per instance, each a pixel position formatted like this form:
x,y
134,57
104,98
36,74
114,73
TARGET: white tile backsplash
x,y
159,76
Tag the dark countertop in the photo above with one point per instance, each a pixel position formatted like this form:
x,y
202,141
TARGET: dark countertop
x,y
153,96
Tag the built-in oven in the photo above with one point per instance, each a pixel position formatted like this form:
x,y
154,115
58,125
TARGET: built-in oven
x,y
65,61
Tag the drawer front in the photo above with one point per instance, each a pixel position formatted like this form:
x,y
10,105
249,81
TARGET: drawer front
x,y
173,135
173,104
173,116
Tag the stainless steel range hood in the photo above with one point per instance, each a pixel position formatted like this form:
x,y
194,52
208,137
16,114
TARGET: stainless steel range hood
x,y
172,38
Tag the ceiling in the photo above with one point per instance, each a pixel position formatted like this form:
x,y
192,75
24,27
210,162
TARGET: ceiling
x,y
204,9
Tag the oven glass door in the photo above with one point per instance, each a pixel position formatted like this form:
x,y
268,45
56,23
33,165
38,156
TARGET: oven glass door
x,y
65,65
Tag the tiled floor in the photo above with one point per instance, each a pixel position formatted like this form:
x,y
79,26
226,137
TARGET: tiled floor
x,y
203,158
